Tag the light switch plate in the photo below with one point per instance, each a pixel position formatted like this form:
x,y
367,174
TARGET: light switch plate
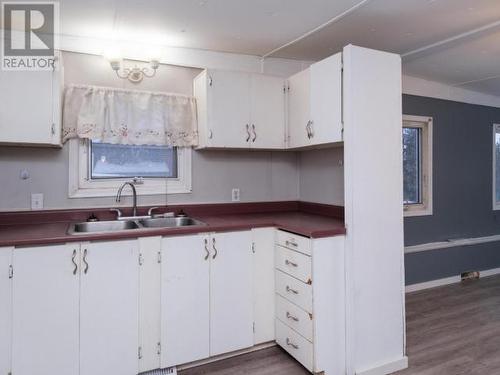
x,y
37,201
235,195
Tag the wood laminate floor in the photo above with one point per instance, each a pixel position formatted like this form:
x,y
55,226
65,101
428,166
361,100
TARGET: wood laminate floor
x,y
451,330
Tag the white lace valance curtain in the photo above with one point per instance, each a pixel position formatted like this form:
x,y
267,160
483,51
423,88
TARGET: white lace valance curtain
x,y
129,116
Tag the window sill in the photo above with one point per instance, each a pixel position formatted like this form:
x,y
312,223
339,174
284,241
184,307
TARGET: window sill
x,y
417,210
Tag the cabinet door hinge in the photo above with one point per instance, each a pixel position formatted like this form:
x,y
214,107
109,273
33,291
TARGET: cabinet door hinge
x,y
11,271
253,327
159,256
139,352
53,129
210,81
141,259
158,348
253,247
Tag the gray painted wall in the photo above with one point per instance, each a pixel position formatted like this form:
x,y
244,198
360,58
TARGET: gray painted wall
x,y
261,176
462,192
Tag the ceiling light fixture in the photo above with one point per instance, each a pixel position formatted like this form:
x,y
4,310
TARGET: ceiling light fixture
x,y
135,74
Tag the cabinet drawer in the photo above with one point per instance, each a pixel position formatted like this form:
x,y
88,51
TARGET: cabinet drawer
x,y
293,263
294,317
294,242
294,290
297,346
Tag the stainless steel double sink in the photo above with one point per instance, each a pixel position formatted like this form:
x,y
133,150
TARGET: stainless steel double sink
x,y
131,224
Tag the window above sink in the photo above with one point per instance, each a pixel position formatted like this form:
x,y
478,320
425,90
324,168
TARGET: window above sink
x,y
99,169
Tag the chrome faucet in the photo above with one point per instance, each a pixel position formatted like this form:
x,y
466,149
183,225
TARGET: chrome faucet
x,y
134,192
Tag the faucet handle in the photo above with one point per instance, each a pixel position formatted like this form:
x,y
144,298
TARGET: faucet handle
x,y
150,211
118,212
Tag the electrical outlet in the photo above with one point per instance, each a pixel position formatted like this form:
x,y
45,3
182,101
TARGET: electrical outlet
x,y
37,201
235,195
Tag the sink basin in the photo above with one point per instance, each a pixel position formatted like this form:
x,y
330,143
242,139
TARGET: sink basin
x,y
123,225
169,222
102,226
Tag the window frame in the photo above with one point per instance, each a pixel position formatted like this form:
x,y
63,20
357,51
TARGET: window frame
x,y
425,123
496,205
81,186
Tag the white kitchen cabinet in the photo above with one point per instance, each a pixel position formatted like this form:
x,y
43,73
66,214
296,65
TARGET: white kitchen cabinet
x,y
5,309
31,107
310,301
267,112
299,109
149,302
45,329
109,309
185,290
207,296
240,110
315,104
263,291
231,292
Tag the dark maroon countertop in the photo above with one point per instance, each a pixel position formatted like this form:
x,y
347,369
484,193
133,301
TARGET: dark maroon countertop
x,y
46,227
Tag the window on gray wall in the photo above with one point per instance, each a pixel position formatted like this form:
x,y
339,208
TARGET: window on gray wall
x,y
129,161
417,165
496,167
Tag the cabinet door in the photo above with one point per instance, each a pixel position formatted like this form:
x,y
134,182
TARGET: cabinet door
x,y
267,112
298,109
45,310
109,319
33,90
229,109
263,277
231,294
326,100
184,299
149,302
5,309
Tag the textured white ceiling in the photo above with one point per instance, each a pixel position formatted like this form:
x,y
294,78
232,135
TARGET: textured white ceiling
x,y
260,26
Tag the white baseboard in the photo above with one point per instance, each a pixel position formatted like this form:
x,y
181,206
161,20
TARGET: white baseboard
x,y
386,368
447,281
220,357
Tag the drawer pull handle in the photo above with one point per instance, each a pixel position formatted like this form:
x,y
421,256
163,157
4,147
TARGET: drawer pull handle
x,y
288,263
290,290
291,317
289,343
291,243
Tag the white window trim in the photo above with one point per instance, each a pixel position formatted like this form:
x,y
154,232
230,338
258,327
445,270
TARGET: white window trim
x,y
425,208
80,186
496,205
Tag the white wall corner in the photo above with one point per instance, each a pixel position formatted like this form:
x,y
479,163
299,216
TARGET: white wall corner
x,y
432,89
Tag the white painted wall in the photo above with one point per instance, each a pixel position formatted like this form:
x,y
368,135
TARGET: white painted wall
x,y
321,176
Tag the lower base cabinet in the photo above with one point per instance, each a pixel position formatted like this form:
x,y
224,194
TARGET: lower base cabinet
x,y
45,311
207,296
109,308
75,309
5,309
185,292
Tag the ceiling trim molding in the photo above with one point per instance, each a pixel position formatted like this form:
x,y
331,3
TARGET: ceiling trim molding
x,y
318,28
451,39
432,89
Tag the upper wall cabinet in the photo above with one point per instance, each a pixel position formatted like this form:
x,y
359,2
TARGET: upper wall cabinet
x,y
30,112
240,110
315,104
